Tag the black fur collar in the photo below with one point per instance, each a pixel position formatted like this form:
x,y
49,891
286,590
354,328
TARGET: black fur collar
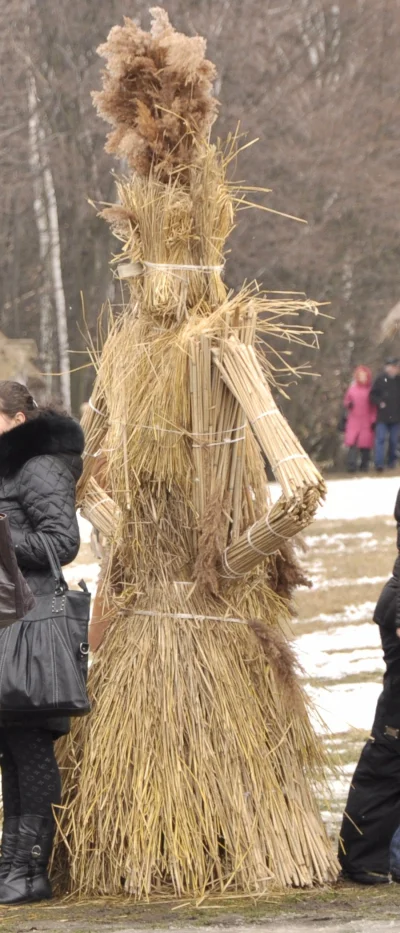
x,y
49,433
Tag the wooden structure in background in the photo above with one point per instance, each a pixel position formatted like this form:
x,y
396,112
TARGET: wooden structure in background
x,y
17,362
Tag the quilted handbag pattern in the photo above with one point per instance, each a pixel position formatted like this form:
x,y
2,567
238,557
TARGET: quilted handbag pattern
x,y
44,657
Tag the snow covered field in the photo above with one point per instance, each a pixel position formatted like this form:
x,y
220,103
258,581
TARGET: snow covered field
x,y
351,551
347,648
364,497
85,566
361,497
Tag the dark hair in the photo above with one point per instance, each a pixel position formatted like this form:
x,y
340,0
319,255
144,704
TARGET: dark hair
x,y
15,397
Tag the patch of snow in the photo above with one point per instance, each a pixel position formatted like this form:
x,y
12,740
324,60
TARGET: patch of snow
x,y
335,740
340,787
316,540
344,706
342,547
87,572
347,614
85,529
347,769
349,499
337,666
364,497
345,636
363,652
319,584
373,543
331,819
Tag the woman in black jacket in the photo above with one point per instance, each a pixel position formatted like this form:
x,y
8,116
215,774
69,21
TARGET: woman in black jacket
x,y
40,463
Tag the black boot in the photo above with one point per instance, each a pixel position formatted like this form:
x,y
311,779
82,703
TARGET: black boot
x,y
8,845
28,881
369,878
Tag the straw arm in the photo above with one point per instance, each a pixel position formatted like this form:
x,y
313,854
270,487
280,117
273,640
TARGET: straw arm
x,y
99,509
95,426
242,373
302,485
268,535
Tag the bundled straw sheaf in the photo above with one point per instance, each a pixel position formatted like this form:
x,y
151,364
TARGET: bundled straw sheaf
x,y
201,758
195,219
196,772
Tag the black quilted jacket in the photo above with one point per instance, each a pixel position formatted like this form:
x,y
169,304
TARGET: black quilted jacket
x,y
40,463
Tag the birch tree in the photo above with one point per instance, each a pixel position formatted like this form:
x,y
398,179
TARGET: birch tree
x,y
56,274
40,212
46,214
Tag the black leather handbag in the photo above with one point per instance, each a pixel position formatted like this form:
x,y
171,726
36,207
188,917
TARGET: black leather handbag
x,y
44,657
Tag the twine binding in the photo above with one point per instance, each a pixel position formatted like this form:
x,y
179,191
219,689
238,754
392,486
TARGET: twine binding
x,y
187,615
180,267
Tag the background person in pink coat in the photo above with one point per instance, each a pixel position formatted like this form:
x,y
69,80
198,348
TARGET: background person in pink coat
x,y
361,419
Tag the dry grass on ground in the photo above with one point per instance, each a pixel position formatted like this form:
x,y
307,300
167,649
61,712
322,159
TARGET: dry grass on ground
x,y
350,558
294,910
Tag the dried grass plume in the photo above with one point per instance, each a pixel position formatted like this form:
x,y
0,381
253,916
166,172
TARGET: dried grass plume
x,y
157,94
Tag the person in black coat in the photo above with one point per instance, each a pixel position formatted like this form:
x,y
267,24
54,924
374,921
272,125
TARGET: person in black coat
x,y
385,394
369,842
40,463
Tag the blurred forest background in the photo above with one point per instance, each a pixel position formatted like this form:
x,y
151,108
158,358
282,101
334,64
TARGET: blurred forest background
x,y
315,80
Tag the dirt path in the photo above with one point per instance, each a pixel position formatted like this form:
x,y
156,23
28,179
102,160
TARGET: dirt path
x,y
344,910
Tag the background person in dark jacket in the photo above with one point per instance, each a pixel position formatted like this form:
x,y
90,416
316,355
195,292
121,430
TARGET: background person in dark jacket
x,y
369,845
40,463
385,394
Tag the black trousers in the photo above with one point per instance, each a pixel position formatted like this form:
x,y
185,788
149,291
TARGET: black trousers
x,y
29,772
372,813
358,458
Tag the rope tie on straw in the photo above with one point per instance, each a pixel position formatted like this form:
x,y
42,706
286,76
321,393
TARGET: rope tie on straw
x,y
241,427
181,431
272,530
184,433
157,427
181,267
102,450
96,504
101,413
292,457
227,440
231,573
187,615
271,411
253,547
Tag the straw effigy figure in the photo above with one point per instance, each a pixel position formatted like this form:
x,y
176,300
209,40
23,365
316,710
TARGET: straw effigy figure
x,y
196,771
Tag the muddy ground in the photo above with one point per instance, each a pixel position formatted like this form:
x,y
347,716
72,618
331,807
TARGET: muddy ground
x,y
342,910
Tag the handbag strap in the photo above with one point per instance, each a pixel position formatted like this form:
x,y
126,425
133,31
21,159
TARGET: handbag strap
x,y
61,585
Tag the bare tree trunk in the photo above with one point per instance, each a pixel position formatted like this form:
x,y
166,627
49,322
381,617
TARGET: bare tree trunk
x,y
46,212
56,272
39,207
